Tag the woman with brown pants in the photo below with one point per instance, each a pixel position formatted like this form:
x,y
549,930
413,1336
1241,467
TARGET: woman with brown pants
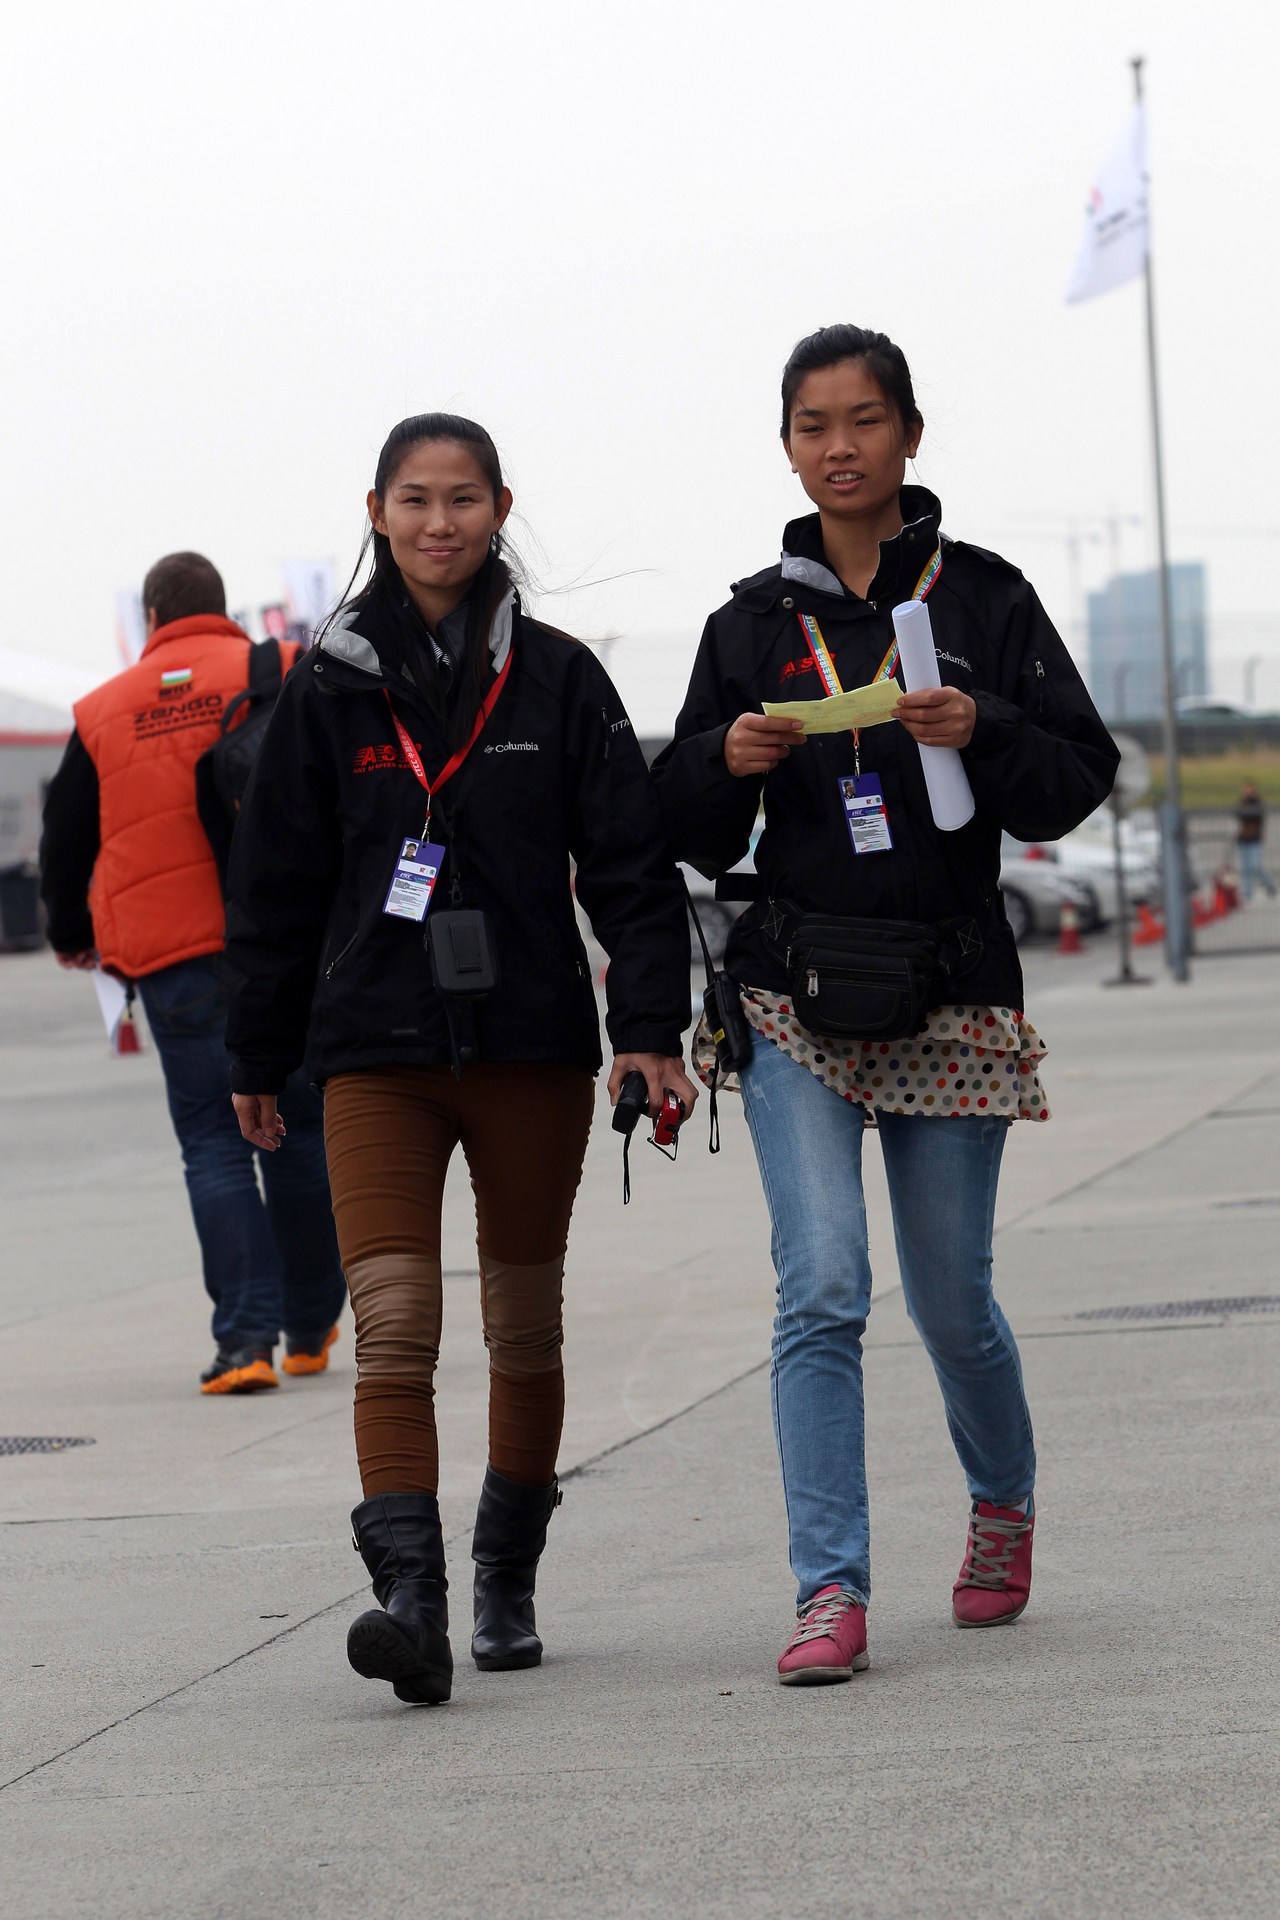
x,y
436,976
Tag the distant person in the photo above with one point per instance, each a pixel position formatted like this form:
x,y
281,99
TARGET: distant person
x,y
130,884
1251,825
878,974
430,771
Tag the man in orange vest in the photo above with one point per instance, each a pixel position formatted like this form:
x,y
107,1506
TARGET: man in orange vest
x,y
130,884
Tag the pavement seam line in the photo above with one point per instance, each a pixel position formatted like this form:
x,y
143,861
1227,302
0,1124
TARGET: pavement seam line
x,y
1131,1159
345,1600
583,1465
211,1673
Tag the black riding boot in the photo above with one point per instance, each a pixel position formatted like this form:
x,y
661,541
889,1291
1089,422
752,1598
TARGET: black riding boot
x,y
511,1531
397,1535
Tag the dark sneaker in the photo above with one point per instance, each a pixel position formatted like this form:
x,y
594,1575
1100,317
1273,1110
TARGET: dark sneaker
x,y
246,1370
995,1580
301,1356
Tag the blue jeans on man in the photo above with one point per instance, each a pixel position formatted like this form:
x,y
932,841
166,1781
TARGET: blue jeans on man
x,y
269,1252
1252,871
942,1172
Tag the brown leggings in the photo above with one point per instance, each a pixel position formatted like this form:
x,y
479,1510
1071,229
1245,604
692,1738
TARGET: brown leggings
x,y
389,1135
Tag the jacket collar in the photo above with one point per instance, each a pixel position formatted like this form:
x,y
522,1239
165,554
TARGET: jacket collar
x,y
197,626
344,640
804,559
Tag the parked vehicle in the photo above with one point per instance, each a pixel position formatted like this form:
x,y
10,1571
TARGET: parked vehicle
x,y
1088,857
1035,889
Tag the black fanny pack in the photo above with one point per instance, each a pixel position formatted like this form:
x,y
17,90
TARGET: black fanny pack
x,y
873,979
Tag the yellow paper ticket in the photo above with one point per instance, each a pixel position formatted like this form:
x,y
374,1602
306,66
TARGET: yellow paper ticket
x,y
867,706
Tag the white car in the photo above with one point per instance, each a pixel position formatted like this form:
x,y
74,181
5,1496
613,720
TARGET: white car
x,y
1087,855
1035,890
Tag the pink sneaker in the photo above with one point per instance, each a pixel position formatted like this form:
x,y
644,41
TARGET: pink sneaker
x,y
995,1580
829,1643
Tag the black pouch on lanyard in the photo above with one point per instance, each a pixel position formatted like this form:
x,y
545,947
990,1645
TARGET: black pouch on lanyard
x,y
464,968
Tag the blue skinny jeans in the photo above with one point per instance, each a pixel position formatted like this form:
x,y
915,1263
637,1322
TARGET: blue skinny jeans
x,y
942,1174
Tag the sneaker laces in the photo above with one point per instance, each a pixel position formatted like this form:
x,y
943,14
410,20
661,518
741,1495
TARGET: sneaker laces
x,y
987,1561
818,1619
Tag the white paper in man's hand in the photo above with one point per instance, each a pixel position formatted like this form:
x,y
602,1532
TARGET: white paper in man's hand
x,y
112,999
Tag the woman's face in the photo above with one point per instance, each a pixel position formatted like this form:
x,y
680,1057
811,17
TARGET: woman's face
x,y
439,515
847,443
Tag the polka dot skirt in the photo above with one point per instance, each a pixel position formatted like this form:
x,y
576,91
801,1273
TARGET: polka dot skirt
x,y
977,1060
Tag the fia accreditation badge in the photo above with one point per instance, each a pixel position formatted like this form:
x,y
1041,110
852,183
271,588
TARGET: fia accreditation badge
x,y
414,880
862,799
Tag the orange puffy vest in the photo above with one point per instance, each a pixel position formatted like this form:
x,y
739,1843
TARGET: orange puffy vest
x,y
155,894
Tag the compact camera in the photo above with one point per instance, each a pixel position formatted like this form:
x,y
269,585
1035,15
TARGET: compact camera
x,y
633,1104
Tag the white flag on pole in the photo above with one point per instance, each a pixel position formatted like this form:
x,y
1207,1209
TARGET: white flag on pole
x,y
1113,248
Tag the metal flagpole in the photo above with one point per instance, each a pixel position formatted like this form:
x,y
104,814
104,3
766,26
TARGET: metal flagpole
x,y
1177,939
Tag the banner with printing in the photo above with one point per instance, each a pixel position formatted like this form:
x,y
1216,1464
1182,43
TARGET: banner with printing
x,y
311,591
1113,248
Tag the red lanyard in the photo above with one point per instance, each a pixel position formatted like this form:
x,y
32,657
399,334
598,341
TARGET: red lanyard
x,y
450,767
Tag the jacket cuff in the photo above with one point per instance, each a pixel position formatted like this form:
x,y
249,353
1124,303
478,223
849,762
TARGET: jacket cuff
x,y
257,1076
995,723
667,1041
72,937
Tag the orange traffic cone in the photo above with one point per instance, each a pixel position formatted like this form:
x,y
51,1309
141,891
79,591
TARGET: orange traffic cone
x,y
1147,930
1069,940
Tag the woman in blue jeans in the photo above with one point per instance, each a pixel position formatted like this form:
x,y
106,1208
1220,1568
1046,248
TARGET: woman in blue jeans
x,y
849,836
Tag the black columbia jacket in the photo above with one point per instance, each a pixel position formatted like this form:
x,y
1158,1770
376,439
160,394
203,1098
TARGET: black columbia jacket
x,y
1039,762
556,773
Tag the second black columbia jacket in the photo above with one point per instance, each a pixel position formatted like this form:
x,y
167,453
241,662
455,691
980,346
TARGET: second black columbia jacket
x,y
1039,762
556,773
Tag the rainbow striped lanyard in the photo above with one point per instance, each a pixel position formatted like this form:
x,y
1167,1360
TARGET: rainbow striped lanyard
x,y
818,647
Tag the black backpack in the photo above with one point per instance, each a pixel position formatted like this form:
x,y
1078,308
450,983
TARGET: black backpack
x,y
222,771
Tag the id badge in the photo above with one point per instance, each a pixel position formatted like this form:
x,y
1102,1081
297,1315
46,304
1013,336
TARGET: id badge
x,y
414,880
863,803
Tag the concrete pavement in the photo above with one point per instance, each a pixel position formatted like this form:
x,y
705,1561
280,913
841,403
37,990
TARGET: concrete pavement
x,y
181,1734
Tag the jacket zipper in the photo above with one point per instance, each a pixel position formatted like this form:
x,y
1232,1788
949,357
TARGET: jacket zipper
x,y
340,956
1039,688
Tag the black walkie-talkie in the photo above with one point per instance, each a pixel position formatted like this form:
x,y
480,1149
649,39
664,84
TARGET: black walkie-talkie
x,y
722,1005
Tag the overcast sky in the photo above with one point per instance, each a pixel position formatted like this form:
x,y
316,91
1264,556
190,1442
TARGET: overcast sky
x,y
242,240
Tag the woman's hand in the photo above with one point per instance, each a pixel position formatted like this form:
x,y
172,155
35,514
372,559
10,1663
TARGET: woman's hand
x,y
83,962
260,1124
938,716
660,1072
755,744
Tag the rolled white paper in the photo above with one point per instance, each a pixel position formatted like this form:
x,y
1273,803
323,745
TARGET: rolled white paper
x,y
950,795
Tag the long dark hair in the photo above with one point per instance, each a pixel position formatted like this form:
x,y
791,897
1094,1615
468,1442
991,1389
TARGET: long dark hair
x,y
885,362
401,629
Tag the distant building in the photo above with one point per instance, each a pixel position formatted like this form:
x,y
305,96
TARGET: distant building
x,y
1125,668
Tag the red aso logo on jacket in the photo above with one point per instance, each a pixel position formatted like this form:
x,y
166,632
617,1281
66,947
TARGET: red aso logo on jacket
x,y
389,754
793,667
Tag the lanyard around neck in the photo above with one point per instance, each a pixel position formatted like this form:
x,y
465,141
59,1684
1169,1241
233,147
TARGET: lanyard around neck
x,y
455,760
818,647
